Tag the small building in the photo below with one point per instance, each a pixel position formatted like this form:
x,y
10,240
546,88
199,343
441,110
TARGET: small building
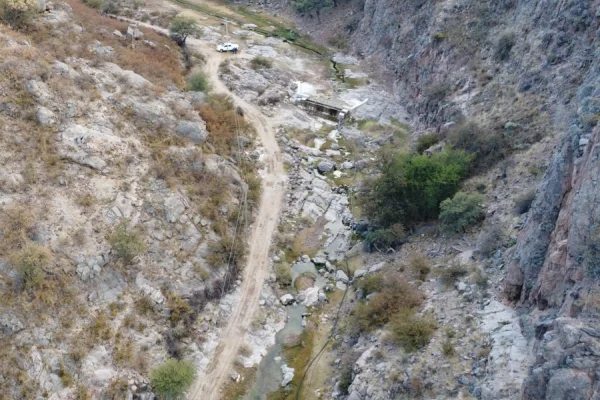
x,y
328,108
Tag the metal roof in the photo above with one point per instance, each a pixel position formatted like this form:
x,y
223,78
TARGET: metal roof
x,y
329,103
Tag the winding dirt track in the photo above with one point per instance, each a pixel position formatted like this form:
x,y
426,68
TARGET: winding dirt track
x,y
207,386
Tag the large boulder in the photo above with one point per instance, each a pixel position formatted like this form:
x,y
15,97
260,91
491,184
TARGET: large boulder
x,y
194,131
341,276
134,33
44,116
569,384
287,299
326,166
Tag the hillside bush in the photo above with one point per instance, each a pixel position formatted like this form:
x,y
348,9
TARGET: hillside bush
x,y
283,273
127,243
504,46
489,240
411,331
449,275
199,82
18,13
461,211
260,62
412,186
29,262
486,146
394,295
426,141
383,239
172,378
420,265
226,251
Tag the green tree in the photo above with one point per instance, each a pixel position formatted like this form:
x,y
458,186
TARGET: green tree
x,y
172,378
412,186
182,27
461,211
127,243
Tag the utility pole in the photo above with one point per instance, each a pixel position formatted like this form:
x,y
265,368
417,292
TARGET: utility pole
x,y
226,27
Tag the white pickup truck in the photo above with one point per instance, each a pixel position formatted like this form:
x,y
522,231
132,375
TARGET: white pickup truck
x,y
225,47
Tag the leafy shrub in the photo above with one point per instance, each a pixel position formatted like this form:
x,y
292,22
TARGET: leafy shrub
x,y
260,62
339,40
111,8
461,211
345,378
504,46
449,275
426,141
96,4
179,309
448,348
419,264
489,240
383,239
412,187
370,284
309,6
523,202
436,92
486,146
283,274
411,331
199,82
127,243
226,251
30,262
395,294
18,13
172,378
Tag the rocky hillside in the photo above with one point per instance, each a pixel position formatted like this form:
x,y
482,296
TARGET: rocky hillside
x,y
117,206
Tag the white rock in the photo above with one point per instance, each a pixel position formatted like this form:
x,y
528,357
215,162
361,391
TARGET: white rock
x,y
44,116
376,267
287,299
341,276
288,375
360,272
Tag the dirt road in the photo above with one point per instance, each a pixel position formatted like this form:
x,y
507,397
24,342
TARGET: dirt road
x,y
207,386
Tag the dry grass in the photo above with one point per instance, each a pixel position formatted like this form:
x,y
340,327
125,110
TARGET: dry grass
x,y
17,226
160,65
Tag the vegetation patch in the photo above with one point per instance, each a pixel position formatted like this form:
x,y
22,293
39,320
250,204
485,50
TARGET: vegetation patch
x,y
411,187
126,242
461,211
260,62
411,331
199,82
171,379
